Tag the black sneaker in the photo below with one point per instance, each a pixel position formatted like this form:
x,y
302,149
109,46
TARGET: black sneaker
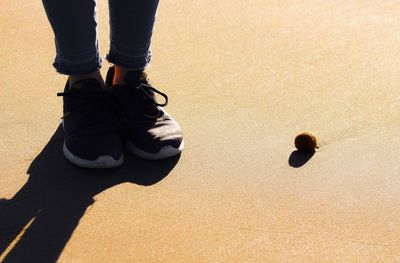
x,y
151,132
91,137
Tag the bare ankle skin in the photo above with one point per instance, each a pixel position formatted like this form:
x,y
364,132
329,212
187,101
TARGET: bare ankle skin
x,y
94,75
120,74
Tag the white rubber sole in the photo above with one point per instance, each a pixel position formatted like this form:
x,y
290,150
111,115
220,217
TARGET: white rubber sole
x,y
104,161
165,152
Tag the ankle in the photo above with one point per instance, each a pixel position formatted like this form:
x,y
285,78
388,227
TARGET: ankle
x,y
120,74
94,75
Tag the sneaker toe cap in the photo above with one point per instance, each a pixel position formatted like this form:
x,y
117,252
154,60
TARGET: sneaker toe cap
x,y
158,137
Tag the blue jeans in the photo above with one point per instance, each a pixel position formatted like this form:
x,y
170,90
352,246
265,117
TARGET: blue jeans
x,y
74,24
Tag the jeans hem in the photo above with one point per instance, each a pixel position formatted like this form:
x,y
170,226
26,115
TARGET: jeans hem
x,y
73,68
133,63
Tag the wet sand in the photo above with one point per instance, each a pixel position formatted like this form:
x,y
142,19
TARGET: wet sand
x,y
243,79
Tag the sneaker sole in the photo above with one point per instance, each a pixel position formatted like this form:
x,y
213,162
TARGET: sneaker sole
x,y
165,152
104,161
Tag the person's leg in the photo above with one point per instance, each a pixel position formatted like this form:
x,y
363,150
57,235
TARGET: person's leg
x,y
151,132
91,138
131,27
75,29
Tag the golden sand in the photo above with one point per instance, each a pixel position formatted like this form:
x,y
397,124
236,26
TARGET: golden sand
x,y
243,77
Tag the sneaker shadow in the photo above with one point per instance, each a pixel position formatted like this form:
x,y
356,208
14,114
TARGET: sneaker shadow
x,y
38,221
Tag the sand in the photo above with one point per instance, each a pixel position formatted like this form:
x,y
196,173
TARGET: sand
x,y
243,78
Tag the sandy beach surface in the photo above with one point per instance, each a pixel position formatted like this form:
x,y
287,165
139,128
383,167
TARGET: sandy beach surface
x,y
243,77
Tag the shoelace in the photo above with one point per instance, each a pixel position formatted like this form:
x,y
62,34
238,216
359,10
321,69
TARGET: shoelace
x,y
93,107
150,100
146,88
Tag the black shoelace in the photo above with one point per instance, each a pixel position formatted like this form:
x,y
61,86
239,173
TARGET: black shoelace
x,y
146,88
150,101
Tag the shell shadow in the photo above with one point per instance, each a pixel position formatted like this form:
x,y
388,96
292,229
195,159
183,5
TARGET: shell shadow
x,y
299,158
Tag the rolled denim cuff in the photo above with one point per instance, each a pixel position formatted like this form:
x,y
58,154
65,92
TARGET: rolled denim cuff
x,y
84,63
134,59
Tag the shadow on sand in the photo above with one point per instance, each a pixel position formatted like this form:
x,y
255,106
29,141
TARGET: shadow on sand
x,y
39,220
299,158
